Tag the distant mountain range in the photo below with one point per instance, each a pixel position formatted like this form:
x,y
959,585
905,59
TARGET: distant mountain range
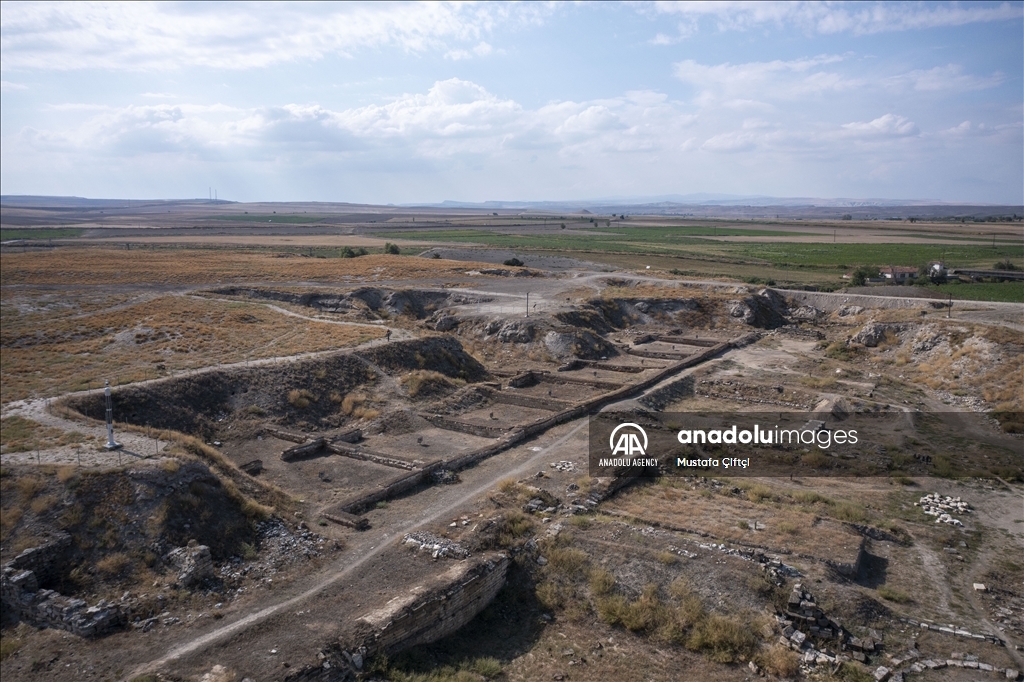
x,y
701,199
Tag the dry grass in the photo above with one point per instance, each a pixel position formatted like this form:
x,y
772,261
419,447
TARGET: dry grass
x,y
18,434
301,398
113,565
780,660
789,520
153,338
76,266
427,382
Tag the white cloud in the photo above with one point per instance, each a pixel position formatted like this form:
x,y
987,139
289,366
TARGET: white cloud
x,y
158,95
8,86
840,17
151,36
730,142
950,77
749,83
887,126
482,49
454,117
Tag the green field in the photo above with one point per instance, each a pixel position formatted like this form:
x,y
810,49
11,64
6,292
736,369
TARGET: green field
x,y
687,242
1011,292
268,218
9,233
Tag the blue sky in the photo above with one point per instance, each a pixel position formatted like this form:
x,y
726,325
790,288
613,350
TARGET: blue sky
x,y
401,103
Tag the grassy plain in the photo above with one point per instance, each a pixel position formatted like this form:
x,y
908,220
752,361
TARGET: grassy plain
x,y
50,351
175,266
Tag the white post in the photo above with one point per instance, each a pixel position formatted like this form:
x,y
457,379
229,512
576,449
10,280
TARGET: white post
x,y
111,443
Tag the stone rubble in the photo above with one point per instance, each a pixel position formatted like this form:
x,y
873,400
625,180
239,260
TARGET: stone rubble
x,y
438,547
568,467
943,507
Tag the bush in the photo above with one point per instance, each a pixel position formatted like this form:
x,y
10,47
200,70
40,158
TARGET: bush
x,y
862,274
113,565
301,398
894,595
351,402
513,262
602,582
721,639
392,249
512,527
567,561
348,252
485,667
780,661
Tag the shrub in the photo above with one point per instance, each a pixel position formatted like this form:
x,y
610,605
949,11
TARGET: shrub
x,y
513,262
8,647
668,558
301,398
391,248
424,381
759,493
568,561
722,639
781,661
581,522
550,595
41,505
894,595
602,582
849,511
485,667
29,487
113,565
513,526
352,401
170,465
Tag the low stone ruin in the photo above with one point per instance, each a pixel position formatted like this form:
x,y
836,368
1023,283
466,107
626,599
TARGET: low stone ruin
x,y
46,608
22,596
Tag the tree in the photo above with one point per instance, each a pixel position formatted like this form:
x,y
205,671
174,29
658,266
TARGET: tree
x,y
862,274
391,248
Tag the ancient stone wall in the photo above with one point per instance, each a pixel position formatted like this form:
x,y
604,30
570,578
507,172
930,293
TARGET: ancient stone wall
x,y
46,560
437,609
21,596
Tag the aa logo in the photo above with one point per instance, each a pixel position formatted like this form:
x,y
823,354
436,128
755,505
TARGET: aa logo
x,y
628,442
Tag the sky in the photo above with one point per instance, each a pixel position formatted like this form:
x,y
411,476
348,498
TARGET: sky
x,y
419,103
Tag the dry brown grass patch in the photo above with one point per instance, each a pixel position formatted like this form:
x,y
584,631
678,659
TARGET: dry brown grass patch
x,y
151,339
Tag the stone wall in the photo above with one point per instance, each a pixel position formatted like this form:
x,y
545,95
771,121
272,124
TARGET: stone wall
x,y
425,614
21,596
435,610
46,560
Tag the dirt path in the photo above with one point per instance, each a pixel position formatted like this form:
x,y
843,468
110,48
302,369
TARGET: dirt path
x,y
355,559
